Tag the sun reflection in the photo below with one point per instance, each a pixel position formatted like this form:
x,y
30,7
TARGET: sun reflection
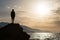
x,y
42,35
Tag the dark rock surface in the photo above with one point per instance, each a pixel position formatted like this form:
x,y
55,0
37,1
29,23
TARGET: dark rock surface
x,y
13,32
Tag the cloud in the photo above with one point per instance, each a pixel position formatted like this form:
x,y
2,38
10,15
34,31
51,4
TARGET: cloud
x,y
57,17
57,23
58,11
5,19
7,5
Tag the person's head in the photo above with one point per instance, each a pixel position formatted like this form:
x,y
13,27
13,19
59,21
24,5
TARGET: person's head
x,y
12,10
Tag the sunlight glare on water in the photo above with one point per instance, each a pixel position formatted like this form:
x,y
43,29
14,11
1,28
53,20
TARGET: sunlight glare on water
x,y
42,36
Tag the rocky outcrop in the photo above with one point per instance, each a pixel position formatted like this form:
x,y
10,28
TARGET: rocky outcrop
x,y
13,32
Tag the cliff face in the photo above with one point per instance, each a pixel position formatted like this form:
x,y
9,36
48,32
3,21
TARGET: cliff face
x,y
13,32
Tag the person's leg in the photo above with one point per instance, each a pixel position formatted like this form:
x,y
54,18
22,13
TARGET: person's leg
x,y
12,20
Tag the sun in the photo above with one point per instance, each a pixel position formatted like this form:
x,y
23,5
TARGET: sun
x,y
41,9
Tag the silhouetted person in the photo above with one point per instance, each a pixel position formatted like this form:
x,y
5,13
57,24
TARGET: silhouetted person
x,y
12,15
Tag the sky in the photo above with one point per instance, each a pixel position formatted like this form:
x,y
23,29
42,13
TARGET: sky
x,y
36,14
